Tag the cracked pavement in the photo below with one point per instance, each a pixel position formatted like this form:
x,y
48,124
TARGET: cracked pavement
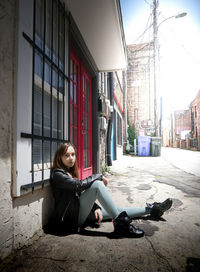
x,y
170,244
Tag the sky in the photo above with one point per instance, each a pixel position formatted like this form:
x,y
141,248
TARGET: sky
x,y
179,41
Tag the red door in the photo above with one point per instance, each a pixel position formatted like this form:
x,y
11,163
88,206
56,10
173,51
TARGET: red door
x,y
80,114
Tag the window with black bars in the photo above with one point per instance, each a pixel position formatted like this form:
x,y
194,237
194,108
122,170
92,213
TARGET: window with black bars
x,y
48,86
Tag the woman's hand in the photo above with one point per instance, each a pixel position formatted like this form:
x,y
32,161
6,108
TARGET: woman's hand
x,y
98,214
105,181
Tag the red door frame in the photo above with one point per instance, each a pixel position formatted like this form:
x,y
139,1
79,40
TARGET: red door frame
x,y
80,114
74,83
86,122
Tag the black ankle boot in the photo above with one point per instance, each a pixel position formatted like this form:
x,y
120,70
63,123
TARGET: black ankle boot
x,y
158,208
124,228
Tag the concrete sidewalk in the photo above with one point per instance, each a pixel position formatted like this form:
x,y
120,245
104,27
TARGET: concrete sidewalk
x,y
170,244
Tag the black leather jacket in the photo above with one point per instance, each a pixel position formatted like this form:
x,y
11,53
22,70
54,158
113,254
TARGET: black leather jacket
x,y
66,191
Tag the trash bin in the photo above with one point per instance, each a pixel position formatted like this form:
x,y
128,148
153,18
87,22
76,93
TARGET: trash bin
x,y
156,143
144,145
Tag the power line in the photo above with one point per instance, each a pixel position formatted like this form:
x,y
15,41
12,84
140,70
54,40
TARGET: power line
x,y
148,3
146,28
180,43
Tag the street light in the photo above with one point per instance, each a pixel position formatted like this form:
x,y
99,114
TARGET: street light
x,y
155,45
183,14
180,15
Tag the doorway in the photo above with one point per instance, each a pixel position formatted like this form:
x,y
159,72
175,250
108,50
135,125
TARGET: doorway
x,y
80,114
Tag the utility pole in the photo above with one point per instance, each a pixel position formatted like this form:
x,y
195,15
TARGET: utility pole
x,y
158,102
155,44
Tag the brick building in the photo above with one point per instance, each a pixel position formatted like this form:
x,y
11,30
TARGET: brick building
x,y
140,88
195,121
180,128
166,132
182,123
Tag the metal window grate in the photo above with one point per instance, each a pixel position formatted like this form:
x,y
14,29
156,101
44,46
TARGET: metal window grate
x,y
48,85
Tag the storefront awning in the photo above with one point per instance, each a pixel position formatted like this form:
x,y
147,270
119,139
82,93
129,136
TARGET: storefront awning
x,y
100,24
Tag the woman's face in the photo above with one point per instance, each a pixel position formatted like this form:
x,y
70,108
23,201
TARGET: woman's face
x,y
69,157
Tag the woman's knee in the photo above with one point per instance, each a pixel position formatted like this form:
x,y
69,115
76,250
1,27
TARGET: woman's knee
x,y
97,184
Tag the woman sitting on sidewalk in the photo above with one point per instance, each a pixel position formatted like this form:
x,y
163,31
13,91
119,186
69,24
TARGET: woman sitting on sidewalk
x,y
75,205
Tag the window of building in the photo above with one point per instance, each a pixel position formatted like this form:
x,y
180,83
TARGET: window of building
x,y
107,81
49,77
195,111
101,83
192,120
119,129
43,90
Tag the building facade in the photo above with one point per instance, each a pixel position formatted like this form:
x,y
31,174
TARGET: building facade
x,y
177,130
111,101
195,122
140,89
166,133
182,124
118,117
50,64
182,127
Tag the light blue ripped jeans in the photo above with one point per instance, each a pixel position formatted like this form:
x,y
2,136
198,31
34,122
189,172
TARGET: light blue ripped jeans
x,y
98,191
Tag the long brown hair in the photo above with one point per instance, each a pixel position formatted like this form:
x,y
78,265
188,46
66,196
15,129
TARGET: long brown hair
x,y
57,161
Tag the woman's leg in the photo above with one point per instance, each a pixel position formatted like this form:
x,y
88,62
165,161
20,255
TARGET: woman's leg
x,y
109,209
132,212
87,199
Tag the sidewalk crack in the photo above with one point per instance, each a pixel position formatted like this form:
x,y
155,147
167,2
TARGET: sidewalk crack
x,y
160,256
49,258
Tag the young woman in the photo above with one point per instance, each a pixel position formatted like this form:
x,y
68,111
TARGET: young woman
x,y
75,205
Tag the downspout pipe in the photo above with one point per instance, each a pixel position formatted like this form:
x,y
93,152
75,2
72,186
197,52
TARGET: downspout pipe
x,y
109,131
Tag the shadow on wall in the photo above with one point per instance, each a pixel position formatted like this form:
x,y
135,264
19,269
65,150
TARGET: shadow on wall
x,y
32,211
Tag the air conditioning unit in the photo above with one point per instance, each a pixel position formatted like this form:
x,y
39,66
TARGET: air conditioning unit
x,y
103,123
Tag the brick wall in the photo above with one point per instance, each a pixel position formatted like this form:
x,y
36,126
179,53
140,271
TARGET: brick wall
x,y
182,122
195,114
140,88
